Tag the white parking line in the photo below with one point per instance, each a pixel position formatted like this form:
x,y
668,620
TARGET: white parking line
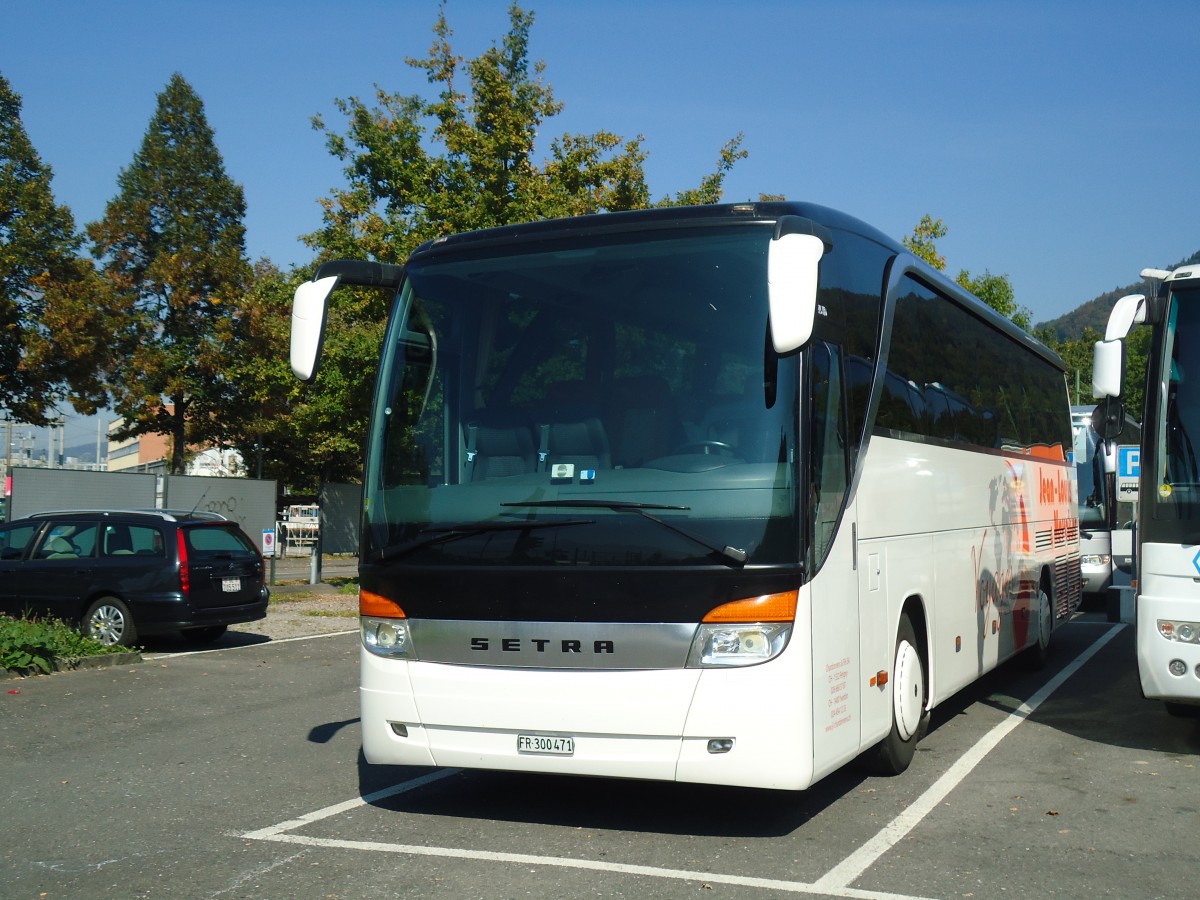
x,y
849,869
259,646
834,883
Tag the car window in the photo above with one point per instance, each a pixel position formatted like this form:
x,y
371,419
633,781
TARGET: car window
x,y
215,540
68,540
14,539
131,540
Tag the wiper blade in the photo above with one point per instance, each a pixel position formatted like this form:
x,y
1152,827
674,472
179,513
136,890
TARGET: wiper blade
x,y
442,533
731,555
589,503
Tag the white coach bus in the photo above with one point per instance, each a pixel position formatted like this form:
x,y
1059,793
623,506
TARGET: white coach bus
x,y
730,494
1168,519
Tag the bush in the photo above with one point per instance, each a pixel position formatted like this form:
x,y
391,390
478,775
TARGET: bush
x,y
31,645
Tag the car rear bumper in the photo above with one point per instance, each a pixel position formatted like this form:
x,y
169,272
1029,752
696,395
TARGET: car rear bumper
x,y
160,618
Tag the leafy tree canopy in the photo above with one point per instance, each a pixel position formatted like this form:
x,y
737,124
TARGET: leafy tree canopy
x,y
171,248
465,159
38,247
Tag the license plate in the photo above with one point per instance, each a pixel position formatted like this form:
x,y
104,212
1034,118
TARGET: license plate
x,y
231,585
546,744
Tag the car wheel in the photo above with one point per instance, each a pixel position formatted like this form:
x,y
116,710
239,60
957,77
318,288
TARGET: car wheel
x,y
204,635
109,621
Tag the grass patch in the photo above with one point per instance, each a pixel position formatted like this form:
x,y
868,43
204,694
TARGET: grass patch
x,y
34,645
333,613
345,587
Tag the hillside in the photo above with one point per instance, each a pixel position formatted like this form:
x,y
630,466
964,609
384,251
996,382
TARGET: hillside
x,y
1094,313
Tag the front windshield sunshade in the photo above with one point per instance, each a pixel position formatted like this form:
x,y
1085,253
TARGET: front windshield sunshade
x,y
589,376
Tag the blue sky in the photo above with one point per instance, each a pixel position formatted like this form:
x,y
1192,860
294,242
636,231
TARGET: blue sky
x,y
1057,140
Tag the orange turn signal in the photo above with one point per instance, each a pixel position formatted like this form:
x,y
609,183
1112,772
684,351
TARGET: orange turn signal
x,y
767,608
372,604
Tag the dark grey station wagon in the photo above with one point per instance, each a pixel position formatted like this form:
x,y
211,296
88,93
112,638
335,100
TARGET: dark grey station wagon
x,y
120,575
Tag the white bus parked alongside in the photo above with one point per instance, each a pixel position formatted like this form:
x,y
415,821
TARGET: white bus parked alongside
x,y
1168,521
1105,510
730,494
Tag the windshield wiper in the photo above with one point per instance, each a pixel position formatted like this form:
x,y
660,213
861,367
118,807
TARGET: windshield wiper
x,y
440,534
731,555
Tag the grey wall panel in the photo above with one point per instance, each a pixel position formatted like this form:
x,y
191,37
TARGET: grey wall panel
x,y
341,517
39,490
249,502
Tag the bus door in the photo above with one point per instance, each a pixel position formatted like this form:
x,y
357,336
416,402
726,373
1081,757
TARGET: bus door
x,y
831,559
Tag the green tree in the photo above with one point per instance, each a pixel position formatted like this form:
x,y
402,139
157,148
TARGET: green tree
x,y
1077,355
257,413
38,259
171,247
465,158
994,290
301,436
922,243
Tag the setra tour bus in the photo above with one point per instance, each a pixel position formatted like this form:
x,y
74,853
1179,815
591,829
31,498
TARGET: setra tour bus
x,y
1168,515
730,494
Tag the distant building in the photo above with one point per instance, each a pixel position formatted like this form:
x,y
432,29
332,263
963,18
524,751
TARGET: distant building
x,y
151,453
143,453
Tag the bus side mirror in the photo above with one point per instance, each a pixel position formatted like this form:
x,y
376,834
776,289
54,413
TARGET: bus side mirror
x,y
1107,355
1108,418
309,311
1106,369
793,262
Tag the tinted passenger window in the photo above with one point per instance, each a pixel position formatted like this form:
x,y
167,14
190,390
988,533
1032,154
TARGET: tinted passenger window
x,y
14,540
131,540
69,540
216,541
967,381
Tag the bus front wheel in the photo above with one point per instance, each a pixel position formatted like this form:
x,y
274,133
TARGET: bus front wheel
x,y
909,696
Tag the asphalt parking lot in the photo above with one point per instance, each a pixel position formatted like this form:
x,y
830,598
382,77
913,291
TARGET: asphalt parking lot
x,y
236,773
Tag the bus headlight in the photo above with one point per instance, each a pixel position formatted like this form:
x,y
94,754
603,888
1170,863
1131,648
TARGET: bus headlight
x,y
1183,632
386,637
1096,559
737,645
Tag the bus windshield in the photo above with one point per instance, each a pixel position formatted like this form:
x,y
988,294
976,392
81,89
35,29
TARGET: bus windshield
x,y
1177,435
589,400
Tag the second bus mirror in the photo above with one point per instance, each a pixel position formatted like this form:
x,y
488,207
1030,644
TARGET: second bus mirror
x,y
793,263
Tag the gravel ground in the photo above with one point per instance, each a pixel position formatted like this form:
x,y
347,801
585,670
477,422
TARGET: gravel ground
x,y
317,609
300,609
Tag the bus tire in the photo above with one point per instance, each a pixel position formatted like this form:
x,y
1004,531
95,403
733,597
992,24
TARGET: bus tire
x,y
1036,656
910,694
